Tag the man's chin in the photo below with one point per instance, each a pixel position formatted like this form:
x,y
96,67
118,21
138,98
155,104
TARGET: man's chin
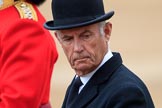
x,y
82,70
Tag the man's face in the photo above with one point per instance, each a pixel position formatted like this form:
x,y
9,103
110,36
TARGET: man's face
x,y
84,47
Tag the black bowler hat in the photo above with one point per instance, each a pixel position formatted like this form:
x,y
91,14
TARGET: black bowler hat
x,y
76,13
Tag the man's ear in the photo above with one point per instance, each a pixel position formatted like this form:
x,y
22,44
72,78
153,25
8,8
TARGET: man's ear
x,y
56,34
107,30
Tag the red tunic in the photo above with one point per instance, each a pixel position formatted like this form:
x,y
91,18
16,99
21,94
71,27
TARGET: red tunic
x,y
27,56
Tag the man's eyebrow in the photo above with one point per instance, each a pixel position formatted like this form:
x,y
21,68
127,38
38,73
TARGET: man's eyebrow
x,y
86,31
66,36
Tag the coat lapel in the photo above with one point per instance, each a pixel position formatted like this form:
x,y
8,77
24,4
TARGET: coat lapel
x,y
87,95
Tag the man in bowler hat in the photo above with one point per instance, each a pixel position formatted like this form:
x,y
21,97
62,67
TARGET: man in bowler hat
x,y
27,55
104,81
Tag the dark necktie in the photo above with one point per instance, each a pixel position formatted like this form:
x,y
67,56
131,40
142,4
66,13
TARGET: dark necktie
x,y
74,90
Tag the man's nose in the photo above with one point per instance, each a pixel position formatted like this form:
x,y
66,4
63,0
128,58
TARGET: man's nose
x,y
78,47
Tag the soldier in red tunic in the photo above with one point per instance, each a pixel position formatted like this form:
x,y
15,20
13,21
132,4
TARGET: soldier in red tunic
x,y
27,55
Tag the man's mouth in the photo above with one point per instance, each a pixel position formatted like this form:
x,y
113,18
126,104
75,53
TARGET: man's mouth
x,y
81,59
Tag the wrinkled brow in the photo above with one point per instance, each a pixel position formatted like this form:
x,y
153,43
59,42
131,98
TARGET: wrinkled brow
x,y
85,31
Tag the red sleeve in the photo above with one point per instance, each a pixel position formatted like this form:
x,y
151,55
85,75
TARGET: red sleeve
x,y
26,64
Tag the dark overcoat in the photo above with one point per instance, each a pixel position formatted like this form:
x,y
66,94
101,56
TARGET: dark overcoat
x,y
112,86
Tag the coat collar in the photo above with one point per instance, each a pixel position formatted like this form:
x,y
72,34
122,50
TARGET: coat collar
x,y
91,88
105,72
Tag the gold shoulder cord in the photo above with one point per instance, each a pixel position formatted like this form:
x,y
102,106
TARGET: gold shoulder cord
x,y
26,10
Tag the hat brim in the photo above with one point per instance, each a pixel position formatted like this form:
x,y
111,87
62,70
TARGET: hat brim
x,y
50,24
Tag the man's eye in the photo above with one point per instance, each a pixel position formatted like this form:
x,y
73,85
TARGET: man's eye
x,y
86,36
67,39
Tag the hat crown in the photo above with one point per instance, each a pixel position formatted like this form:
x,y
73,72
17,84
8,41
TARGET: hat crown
x,y
66,9
76,13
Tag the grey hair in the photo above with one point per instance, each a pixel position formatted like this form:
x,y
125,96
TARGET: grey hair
x,y
101,27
